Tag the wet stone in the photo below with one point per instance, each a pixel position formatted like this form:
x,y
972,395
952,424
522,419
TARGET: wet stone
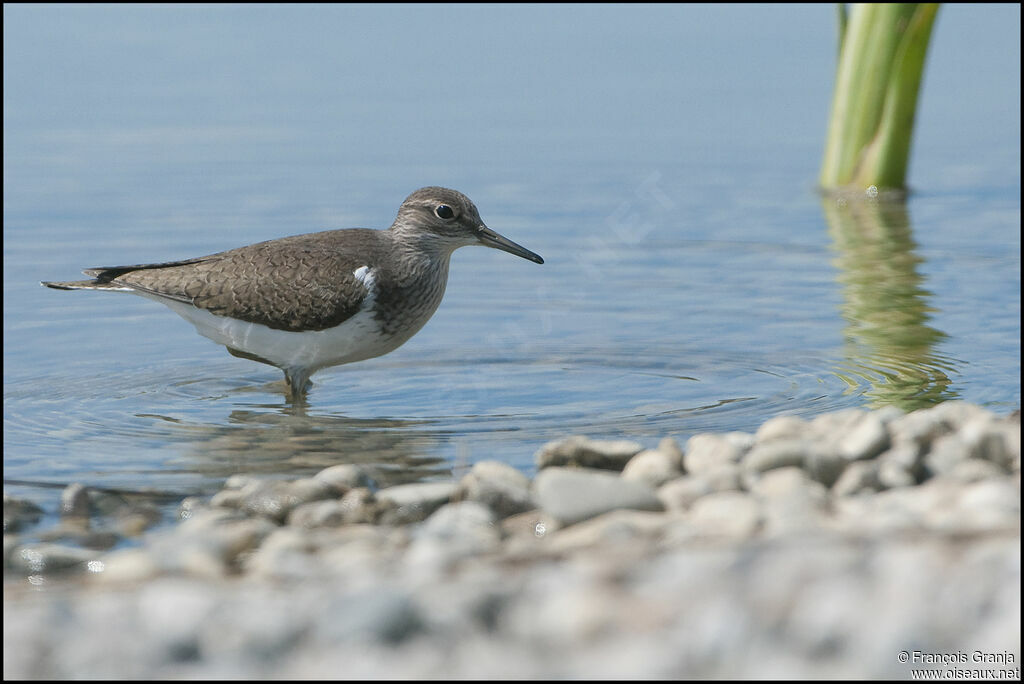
x,y
359,505
681,493
467,592
708,451
19,513
653,467
892,474
74,501
908,456
725,514
588,453
824,463
946,452
575,494
781,427
865,438
992,440
920,428
327,513
613,528
499,486
274,500
345,476
777,453
128,565
529,525
454,531
45,558
860,477
791,502
974,470
408,503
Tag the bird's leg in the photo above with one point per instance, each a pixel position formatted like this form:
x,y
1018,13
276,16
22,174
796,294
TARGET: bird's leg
x,y
298,382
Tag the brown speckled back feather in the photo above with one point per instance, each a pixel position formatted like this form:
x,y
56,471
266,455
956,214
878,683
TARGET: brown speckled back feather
x,y
303,282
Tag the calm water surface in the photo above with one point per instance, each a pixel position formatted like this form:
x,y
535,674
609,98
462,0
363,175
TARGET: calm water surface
x,y
662,160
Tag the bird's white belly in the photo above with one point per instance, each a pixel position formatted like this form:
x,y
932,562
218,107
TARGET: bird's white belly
x,y
357,338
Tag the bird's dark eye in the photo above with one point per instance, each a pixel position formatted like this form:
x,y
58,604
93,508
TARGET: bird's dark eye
x,y
444,211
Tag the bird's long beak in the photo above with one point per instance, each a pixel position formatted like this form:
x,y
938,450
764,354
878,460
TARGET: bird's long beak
x,y
489,238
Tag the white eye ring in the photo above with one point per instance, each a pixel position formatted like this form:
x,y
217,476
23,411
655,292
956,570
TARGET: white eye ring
x,y
443,211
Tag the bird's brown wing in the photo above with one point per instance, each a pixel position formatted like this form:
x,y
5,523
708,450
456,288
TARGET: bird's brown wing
x,y
306,282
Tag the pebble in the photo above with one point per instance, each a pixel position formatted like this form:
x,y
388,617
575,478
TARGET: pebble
x,y
345,476
862,532
858,478
44,557
575,494
499,486
403,504
276,499
74,501
681,493
778,452
654,467
732,515
19,513
587,453
708,451
454,531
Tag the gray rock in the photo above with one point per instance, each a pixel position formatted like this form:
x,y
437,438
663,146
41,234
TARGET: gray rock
x,y
653,467
613,528
529,526
892,474
776,453
782,427
128,566
497,485
586,452
865,438
19,513
726,478
242,480
994,440
823,462
286,553
668,445
926,425
210,542
373,616
228,498
860,477
790,501
946,452
325,513
275,499
990,504
974,470
408,503
681,493
837,424
452,532
908,457
707,451
345,476
725,514
46,558
74,501
359,505
575,494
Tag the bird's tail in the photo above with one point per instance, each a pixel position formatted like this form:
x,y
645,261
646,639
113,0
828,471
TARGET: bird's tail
x,y
95,284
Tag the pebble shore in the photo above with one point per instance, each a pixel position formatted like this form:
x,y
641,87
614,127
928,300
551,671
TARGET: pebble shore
x,y
813,548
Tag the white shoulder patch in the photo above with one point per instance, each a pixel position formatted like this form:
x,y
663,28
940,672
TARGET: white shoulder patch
x,y
367,277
